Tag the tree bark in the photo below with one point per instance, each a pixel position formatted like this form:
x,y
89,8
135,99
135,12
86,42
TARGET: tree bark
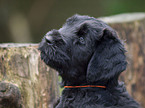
x,y
131,28
20,65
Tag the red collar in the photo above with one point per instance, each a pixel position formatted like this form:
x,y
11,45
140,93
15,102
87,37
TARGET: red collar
x,y
85,86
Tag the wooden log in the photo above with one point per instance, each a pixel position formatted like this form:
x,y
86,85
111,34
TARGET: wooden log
x,y
131,27
20,65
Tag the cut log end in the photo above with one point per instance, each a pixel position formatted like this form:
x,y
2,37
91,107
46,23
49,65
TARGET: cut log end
x,y
10,45
123,18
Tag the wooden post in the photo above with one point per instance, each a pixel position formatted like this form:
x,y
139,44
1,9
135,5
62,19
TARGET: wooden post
x,y
20,65
131,27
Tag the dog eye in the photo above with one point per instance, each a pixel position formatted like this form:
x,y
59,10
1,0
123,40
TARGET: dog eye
x,y
82,40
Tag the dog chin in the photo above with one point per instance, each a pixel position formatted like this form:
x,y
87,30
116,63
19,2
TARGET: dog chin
x,y
53,57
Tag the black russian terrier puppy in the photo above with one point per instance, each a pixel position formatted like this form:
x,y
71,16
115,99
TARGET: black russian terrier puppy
x,y
89,57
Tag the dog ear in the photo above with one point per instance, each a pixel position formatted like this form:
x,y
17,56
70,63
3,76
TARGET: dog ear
x,y
108,60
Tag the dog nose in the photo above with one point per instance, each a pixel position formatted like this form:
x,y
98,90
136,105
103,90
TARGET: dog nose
x,y
48,39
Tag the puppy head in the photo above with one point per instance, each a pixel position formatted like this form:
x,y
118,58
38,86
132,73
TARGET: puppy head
x,y
85,49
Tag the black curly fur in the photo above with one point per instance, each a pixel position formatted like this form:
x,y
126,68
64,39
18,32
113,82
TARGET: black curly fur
x,y
86,51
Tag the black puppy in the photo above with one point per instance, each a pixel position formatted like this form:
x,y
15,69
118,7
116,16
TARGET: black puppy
x,y
89,57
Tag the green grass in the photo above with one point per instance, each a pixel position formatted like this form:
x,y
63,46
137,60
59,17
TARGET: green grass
x,y
60,88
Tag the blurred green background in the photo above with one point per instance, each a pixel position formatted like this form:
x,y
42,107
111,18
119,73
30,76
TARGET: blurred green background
x,y
28,20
